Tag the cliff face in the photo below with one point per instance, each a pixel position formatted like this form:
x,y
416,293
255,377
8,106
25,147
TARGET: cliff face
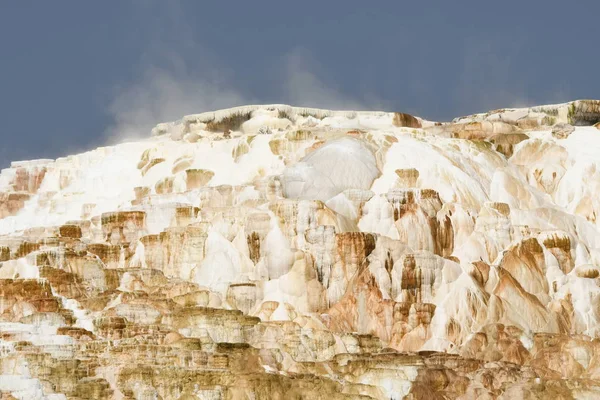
x,y
277,252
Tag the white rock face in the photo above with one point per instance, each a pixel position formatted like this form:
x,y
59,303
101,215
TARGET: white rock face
x,y
280,252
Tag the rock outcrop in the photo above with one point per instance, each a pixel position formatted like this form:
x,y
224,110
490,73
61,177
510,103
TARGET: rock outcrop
x,y
275,252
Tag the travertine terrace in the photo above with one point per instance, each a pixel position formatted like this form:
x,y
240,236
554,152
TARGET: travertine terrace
x,y
274,252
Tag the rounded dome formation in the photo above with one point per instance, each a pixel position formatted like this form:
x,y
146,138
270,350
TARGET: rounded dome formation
x,y
334,167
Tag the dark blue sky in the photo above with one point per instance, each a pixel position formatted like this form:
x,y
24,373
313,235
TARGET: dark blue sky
x,y
75,75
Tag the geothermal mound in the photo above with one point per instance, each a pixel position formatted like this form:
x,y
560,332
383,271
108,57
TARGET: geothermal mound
x,y
275,252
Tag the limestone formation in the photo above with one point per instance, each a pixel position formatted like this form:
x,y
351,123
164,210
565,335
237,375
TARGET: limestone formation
x,y
277,252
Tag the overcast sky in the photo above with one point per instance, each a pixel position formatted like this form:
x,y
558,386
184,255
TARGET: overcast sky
x,y
78,74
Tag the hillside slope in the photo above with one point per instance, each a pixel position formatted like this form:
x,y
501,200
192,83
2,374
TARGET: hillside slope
x,y
280,252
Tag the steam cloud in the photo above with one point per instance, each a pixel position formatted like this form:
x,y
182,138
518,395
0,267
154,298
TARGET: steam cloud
x,y
163,95
167,93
